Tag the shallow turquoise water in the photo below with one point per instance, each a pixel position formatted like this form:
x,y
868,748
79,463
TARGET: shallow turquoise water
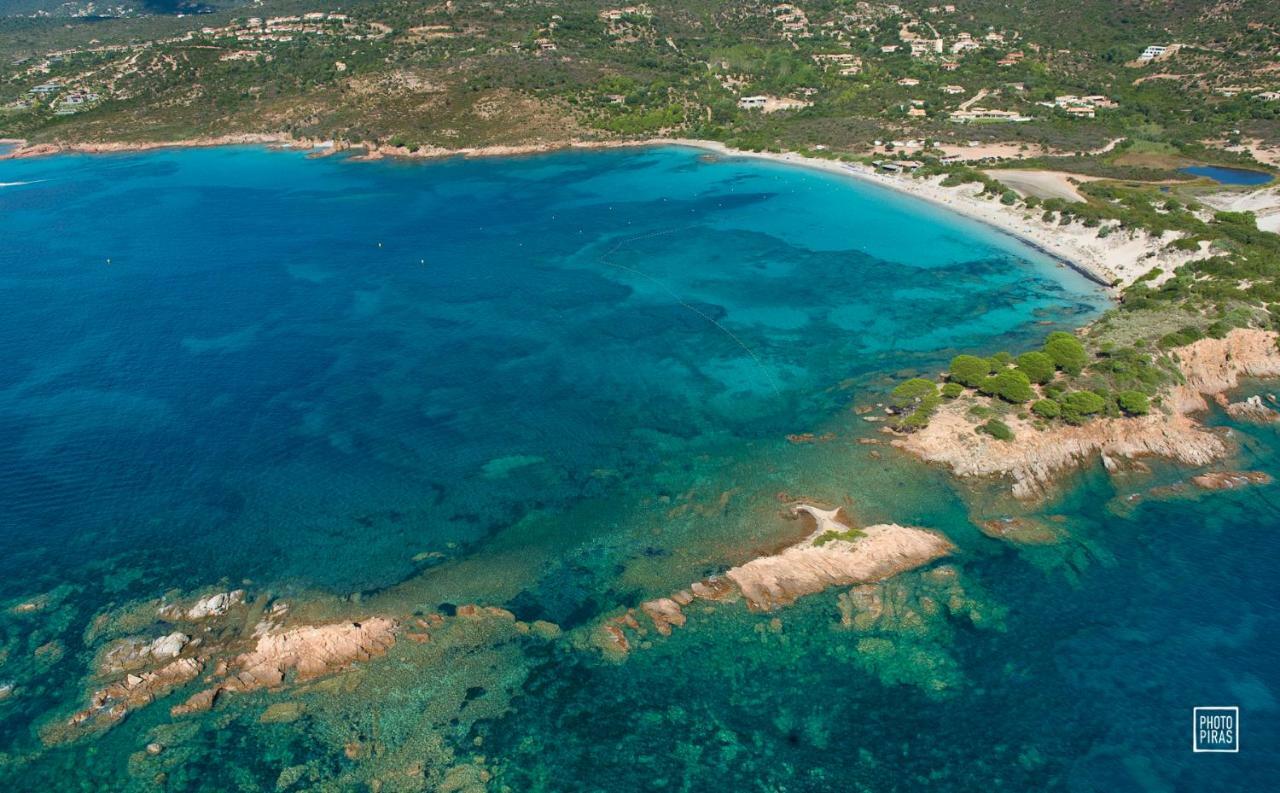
x,y
316,369
239,364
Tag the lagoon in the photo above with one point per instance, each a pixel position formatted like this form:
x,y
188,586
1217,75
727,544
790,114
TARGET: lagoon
x,y
1232,176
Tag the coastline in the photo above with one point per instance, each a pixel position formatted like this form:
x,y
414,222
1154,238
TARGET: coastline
x,y
1036,459
1112,263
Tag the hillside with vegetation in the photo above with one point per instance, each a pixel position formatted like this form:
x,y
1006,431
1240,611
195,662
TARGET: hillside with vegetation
x,y
1056,78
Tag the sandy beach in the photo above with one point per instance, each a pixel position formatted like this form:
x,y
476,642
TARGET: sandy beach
x,y
1115,261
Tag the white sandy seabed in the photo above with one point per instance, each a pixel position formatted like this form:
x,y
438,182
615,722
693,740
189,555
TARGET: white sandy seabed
x,y
1116,260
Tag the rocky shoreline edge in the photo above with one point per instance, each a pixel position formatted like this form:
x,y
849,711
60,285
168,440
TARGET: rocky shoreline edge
x,y
1035,459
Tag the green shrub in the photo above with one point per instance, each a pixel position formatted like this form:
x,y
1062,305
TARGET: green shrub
x,y
1182,337
1218,329
1008,198
1010,385
1046,409
952,390
1135,403
1037,366
969,370
909,394
849,535
919,418
1078,405
997,429
1066,351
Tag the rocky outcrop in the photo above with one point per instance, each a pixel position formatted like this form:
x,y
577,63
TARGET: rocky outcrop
x,y
1251,409
112,703
212,606
1035,458
129,654
876,553
1212,366
833,554
306,652
664,613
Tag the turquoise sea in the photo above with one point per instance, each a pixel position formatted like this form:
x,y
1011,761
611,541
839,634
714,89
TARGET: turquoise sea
x,y
563,385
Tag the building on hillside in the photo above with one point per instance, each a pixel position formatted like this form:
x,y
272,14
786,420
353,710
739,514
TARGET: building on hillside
x,y
953,89
921,47
908,81
752,102
982,114
1153,52
950,66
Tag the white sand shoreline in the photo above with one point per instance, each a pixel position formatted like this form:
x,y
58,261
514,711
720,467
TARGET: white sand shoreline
x,y
1114,262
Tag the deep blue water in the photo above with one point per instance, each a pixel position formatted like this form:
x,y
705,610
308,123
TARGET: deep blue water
x,y
1222,175
242,365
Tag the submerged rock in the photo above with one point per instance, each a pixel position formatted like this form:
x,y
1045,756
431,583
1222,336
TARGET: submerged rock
x,y
905,626
1231,480
282,713
1019,530
112,703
